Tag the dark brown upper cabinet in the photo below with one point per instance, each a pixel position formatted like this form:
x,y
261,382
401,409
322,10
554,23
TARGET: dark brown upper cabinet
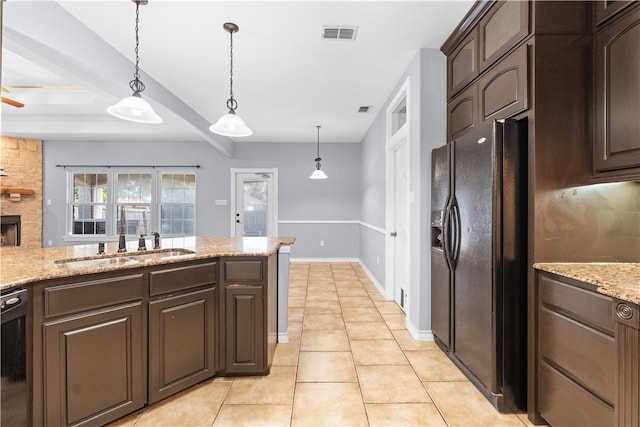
x,y
503,91
462,64
462,113
605,9
502,28
617,121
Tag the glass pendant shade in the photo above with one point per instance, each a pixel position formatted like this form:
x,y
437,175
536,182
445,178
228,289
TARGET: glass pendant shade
x,y
135,109
230,125
318,174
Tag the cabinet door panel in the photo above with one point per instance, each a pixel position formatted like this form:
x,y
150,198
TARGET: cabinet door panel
x,y
181,342
462,64
503,91
605,9
245,329
502,28
94,366
617,144
462,113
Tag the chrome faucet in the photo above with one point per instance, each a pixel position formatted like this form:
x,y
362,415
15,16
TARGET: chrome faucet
x,y
156,240
142,244
122,244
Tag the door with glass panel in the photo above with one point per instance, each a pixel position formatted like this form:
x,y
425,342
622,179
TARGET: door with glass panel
x,y
254,209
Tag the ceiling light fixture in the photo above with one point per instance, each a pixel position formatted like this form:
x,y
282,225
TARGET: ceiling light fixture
x,y
230,124
134,108
318,173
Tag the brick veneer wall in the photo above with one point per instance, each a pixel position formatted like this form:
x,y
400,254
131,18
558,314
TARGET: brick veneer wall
x,y
21,159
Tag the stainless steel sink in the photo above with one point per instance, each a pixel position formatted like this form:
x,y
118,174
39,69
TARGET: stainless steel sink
x,y
94,262
122,259
160,254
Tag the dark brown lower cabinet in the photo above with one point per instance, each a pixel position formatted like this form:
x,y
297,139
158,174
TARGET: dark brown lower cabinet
x,y
587,356
182,333
93,366
107,344
245,329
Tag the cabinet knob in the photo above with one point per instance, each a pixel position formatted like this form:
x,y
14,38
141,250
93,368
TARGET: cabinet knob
x,y
624,311
393,234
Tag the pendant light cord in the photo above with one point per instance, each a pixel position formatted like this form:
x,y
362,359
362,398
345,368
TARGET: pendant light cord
x,y
231,65
318,158
136,84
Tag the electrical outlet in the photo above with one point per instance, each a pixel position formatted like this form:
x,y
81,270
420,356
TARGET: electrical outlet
x,y
377,260
321,242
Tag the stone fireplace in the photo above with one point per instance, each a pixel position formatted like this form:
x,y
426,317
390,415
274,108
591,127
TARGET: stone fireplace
x,y
10,230
21,192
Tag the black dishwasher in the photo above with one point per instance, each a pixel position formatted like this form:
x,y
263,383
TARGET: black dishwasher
x,y
13,361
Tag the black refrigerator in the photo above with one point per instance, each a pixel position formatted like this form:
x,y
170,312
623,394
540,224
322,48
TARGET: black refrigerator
x,y
479,259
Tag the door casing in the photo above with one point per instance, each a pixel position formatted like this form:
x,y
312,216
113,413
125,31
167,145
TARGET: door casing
x,y
272,198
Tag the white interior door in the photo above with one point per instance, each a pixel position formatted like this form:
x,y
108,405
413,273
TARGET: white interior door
x,y
401,218
254,205
398,199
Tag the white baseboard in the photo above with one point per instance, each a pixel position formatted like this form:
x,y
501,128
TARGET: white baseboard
x,y
324,260
283,337
418,334
372,278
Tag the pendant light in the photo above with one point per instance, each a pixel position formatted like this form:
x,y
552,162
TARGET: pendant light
x,y
230,124
134,108
318,173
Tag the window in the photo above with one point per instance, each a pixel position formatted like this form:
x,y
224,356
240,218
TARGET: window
x,y
106,202
89,203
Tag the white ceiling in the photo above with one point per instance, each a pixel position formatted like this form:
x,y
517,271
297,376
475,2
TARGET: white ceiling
x,y
287,79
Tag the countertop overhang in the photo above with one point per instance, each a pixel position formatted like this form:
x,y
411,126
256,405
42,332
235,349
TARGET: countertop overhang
x,y
615,279
20,267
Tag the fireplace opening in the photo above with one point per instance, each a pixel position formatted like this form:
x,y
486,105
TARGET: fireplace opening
x,y
10,230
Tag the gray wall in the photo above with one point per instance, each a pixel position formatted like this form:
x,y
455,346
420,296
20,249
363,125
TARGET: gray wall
x,y
427,109
300,199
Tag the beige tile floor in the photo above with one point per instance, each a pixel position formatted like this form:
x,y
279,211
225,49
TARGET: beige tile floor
x,y
350,362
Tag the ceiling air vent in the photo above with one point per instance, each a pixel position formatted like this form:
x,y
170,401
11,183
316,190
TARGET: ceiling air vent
x,y
363,109
333,32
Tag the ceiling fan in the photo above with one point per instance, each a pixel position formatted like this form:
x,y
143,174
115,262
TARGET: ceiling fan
x,y
36,94
10,101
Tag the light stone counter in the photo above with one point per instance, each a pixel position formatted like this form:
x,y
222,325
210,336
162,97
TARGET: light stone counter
x,y
20,267
619,279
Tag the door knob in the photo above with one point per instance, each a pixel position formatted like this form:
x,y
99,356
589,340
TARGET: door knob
x,y
393,234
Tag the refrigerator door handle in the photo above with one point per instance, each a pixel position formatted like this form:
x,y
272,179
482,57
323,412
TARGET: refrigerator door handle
x,y
455,232
446,244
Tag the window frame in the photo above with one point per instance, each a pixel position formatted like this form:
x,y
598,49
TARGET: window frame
x,y
112,229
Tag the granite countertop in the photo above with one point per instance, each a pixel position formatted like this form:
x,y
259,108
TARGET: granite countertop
x,y
617,279
19,267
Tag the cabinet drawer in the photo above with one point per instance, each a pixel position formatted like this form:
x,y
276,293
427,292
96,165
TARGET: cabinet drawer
x,y
560,393
242,270
585,355
502,28
588,307
181,278
503,91
86,296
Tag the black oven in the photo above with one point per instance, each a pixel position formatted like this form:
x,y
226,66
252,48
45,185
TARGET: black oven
x,y
13,311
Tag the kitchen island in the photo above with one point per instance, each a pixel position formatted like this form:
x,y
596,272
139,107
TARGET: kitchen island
x,y
585,325
109,334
